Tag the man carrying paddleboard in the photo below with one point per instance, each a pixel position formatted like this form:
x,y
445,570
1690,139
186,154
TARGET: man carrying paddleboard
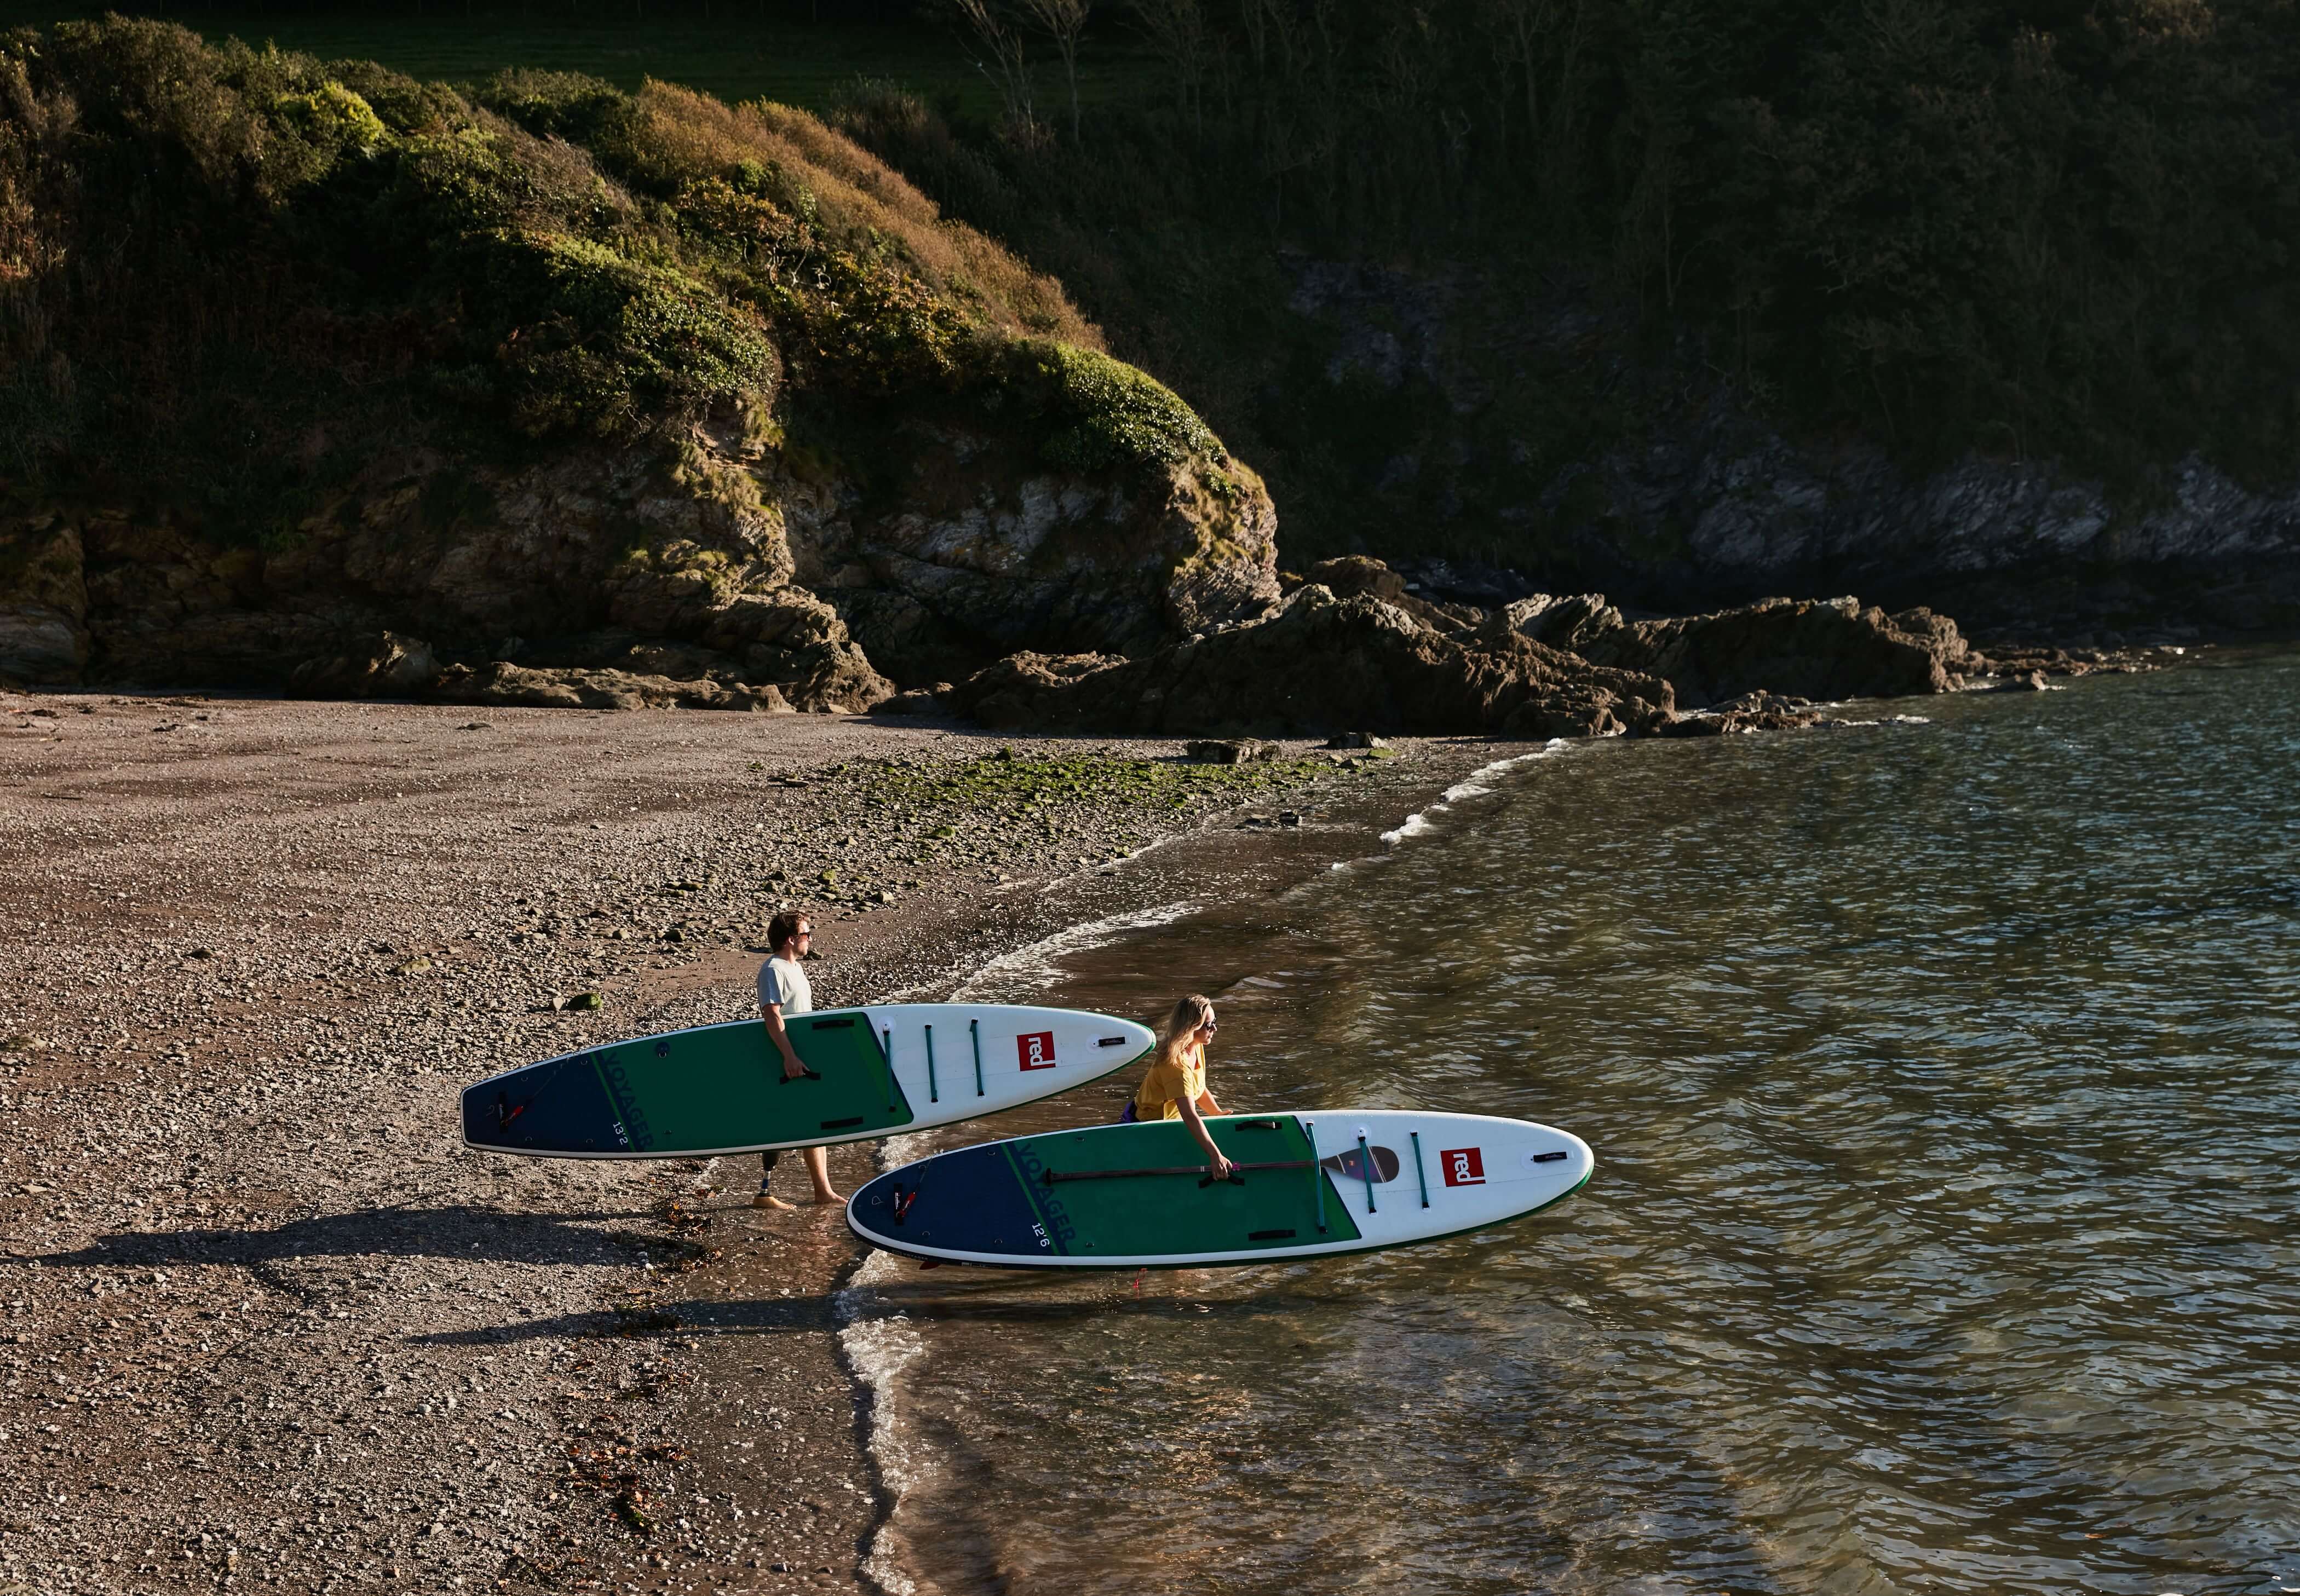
x,y
1176,1087
783,990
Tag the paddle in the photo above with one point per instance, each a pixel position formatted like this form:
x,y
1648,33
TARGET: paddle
x,y
1050,1176
1348,1162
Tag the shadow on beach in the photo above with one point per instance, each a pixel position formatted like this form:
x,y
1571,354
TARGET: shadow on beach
x,y
711,1317
460,1231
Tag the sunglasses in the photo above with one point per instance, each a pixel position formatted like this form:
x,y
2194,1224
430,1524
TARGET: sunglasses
x,y
1209,1026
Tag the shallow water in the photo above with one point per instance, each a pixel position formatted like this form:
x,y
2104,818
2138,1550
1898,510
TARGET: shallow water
x,y
1945,1083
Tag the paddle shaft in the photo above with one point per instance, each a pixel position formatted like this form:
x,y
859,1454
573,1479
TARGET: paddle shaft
x,y
1054,1175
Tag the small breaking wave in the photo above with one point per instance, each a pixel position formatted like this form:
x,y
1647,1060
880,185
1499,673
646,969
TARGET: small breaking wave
x,y
1041,961
879,1341
878,1344
1416,824
1475,784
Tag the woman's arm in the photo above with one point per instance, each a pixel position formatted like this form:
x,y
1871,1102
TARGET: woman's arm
x,y
1216,1164
1206,1104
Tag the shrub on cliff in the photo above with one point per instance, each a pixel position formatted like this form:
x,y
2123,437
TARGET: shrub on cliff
x,y
1100,412
230,276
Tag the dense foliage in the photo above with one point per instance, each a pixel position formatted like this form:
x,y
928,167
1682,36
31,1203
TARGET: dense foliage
x,y
2056,227
1095,412
228,276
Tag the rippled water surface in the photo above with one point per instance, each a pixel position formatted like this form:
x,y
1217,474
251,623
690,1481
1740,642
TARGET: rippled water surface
x,y
1944,1082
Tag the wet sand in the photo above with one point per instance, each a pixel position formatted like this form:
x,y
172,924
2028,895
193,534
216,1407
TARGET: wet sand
x,y
268,1324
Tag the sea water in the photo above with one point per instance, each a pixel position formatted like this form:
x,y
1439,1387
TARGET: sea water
x,y
1945,1084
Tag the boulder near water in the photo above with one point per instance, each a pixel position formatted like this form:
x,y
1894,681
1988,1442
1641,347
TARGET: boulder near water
x,y
1811,648
1322,665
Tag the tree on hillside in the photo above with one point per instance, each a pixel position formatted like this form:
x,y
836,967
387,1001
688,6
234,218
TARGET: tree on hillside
x,y
998,31
1177,31
1063,21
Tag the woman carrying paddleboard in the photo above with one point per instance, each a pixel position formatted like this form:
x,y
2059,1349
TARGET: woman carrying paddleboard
x,y
1176,1087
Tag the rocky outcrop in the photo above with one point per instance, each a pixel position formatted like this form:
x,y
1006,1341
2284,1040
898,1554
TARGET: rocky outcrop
x,y
984,552
630,559
1815,648
1377,658
43,602
1690,497
1322,665
385,666
503,684
1750,712
691,567
578,455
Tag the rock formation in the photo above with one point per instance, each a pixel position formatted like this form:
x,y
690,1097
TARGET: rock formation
x,y
1820,648
1321,665
981,554
634,562
1694,496
1379,659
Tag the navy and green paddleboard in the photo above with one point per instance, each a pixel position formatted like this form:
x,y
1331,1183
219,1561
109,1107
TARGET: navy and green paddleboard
x,y
871,1072
1129,1196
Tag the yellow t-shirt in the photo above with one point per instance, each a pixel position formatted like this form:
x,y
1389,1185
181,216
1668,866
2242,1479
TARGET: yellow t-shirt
x,y
1168,1084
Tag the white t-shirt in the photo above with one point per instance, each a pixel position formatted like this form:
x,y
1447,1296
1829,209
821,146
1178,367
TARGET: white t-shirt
x,y
782,981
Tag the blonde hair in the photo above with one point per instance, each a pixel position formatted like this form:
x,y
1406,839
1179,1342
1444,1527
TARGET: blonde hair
x,y
1189,1013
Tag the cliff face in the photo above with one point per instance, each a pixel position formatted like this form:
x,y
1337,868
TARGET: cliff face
x,y
1682,496
970,554
342,383
710,561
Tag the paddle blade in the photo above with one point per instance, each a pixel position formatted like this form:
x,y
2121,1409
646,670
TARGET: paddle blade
x,y
1385,1165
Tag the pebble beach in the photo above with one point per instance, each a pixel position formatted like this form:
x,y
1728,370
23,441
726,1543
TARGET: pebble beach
x,y
268,1325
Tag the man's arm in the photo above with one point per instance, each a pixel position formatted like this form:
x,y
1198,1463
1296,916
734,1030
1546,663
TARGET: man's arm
x,y
792,1067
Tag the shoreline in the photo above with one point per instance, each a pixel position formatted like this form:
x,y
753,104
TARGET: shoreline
x,y
724,1298
737,1297
262,943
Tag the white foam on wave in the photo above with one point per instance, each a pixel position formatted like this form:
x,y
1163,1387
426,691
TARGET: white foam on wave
x,y
1416,824
881,1341
1472,786
878,1344
1042,960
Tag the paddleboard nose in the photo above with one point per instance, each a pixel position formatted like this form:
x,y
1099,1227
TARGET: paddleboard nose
x,y
491,1117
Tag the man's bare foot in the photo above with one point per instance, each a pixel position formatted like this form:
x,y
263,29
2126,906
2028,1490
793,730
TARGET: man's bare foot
x,y
768,1200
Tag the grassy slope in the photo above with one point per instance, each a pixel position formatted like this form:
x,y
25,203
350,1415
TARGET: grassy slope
x,y
304,264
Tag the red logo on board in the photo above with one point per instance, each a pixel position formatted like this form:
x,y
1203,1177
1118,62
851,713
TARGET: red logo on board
x,y
1036,1049
1463,1166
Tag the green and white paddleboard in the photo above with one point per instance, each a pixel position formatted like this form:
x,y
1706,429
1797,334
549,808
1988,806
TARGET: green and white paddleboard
x,y
872,1071
1134,1196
